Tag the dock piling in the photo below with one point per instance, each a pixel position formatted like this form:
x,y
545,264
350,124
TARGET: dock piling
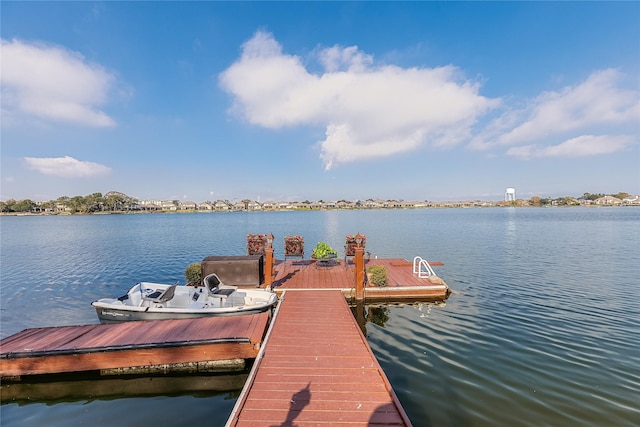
x,y
359,268
269,262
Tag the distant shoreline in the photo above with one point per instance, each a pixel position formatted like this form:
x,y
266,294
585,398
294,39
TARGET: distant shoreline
x,y
194,211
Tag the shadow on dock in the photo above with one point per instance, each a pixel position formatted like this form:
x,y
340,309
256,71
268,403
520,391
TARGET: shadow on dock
x,y
298,402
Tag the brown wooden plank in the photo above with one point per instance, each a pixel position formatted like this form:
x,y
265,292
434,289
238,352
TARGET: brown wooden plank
x,y
136,333
400,274
380,416
316,362
283,397
317,369
94,347
315,404
43,338
126,358
286,388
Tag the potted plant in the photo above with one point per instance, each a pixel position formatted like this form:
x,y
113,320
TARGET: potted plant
x,y
377,275
323,251
193,274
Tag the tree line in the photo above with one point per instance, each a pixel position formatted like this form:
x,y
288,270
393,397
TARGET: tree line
x,y
92,203
118,202
571,201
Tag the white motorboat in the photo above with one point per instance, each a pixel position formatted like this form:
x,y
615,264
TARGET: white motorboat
x,y
155,301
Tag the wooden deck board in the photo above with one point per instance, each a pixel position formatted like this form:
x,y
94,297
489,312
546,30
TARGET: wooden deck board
x,y
94,347
403,283
317,369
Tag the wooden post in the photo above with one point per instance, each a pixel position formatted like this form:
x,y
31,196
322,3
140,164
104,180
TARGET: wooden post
x,y
269,262
359,267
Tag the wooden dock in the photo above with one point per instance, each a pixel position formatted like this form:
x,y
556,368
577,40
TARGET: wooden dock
x,y
313,365
316,368
183,345
404,284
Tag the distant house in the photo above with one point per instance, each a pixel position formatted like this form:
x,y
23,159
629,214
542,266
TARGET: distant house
x,y
205,206
302,205
373,204
246,205
61,207
188,206
329,205
608,201
285,205
221,206
393,204
169,205
254,206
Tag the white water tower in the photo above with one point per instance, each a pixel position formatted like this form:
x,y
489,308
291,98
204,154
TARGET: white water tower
x,y
510,195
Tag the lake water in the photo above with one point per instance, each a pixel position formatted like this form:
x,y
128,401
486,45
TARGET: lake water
x,y
541,329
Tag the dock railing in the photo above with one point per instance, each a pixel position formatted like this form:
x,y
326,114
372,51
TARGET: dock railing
x,y
422,268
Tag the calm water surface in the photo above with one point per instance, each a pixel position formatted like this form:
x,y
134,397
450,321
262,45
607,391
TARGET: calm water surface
x,y
541,328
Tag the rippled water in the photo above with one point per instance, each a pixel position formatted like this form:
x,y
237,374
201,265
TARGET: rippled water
x,y
541,328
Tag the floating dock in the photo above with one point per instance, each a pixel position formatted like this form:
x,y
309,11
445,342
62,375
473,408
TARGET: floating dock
x,y
316,367
208,344
404,284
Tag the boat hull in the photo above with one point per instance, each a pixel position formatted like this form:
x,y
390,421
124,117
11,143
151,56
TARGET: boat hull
x,y
185,302
108,314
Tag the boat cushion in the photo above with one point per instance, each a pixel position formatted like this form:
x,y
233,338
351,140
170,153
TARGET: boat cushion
x,y
223,293
152,295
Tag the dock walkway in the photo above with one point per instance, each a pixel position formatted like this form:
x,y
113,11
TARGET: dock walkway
x,y
316,368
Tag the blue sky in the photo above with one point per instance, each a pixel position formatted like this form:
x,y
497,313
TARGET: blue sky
x,y
319,100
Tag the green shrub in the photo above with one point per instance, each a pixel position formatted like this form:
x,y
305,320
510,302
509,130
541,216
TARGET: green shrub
x,y
193,274
322,250
377,275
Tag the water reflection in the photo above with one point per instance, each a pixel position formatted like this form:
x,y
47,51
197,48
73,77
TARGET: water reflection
x,y
376,314
68,388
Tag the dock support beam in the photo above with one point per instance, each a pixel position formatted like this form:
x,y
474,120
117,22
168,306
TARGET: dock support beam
x,y
269,262
359,268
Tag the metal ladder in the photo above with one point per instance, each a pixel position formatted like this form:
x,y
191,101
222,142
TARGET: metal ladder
x,y
422,268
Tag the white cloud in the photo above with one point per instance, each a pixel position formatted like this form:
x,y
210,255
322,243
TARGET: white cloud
x,y
66,167
53,83
582,146
599,103
350,58
367,111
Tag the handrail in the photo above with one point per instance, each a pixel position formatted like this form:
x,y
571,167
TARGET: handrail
x,y
418,264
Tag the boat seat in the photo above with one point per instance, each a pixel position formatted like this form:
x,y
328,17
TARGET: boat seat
x,y
214,286
223,293
211,282
160,297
